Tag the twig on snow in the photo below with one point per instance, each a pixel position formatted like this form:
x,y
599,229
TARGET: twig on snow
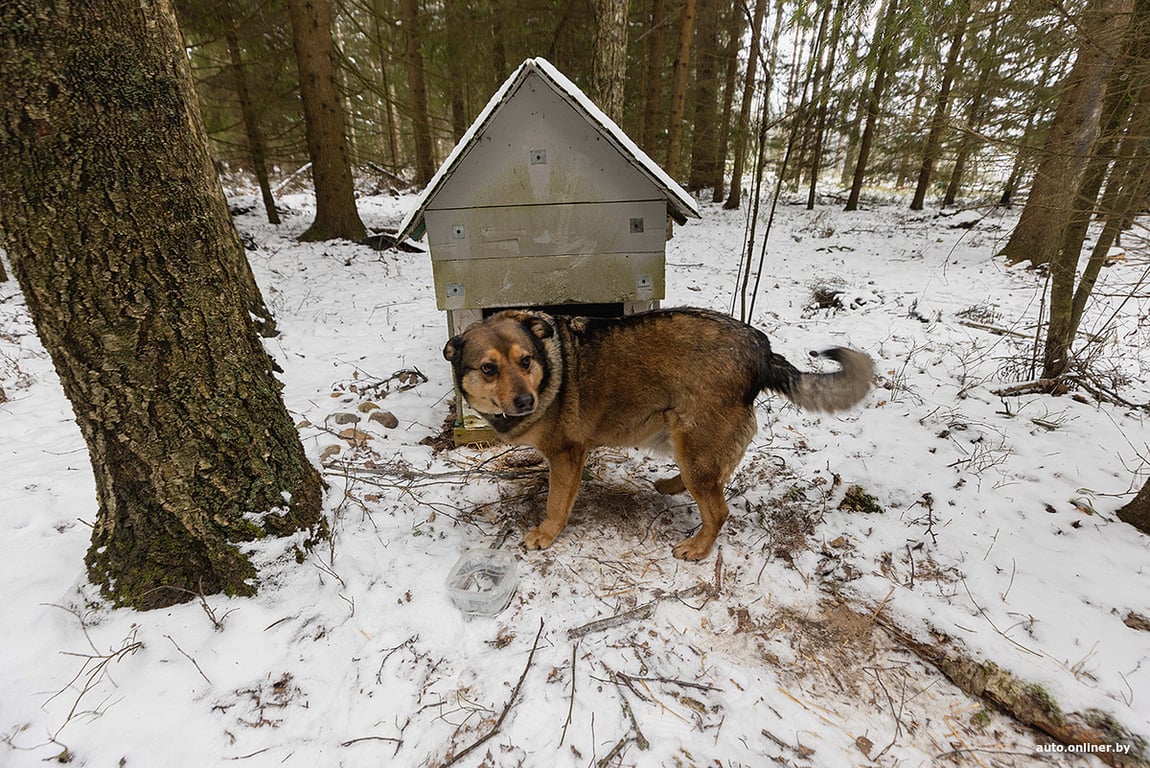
x,y
644,611
189,658
640,739
507,707
571,702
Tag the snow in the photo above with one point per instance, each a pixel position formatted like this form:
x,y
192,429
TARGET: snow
x,y
996,528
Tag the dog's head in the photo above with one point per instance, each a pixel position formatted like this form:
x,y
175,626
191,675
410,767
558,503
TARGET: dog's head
x,y
503,365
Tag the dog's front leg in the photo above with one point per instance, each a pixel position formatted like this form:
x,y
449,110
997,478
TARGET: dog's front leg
x,y
566,469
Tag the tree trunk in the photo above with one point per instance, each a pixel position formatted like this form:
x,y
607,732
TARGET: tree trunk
x,y
704,133
652,102
1137,511
609,65
933,148
822,101
251,125
731,55
880,50
417,93
456,29
679,88
1040,232
498,43
987,63
336,216
119,235
387,96
744,126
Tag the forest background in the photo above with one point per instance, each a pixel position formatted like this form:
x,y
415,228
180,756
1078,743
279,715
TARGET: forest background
x,y
947,103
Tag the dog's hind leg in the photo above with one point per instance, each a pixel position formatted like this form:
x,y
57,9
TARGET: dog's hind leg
x,y
707,458
565,472
708,495
669,486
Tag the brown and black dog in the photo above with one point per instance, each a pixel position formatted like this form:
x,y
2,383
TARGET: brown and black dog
x,y
683,381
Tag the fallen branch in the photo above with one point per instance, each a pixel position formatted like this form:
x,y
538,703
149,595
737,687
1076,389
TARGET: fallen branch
x,y
1026,702
993,329
644,611
640,739
507,707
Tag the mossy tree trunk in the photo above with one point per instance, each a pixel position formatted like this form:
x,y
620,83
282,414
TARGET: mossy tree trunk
x,y
118,232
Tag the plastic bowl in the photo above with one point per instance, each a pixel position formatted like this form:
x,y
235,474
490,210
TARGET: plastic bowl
x,y
483,581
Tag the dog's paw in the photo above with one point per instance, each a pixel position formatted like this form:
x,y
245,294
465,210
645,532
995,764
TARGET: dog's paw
x,y
693,548
669,486
537,538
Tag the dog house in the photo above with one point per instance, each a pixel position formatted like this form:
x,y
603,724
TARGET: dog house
x,y
545,203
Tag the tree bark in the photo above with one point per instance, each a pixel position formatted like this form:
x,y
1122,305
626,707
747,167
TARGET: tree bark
x,y
731,48
880,53
822,100
1137,511
1040,231
704,134
987,64
336,216
456,29
609,65
679,88
933,148
417,92
1040,234
654,77
119,235
251,125
742,130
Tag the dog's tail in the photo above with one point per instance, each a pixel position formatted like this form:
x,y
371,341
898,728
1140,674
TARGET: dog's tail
x,y
822,391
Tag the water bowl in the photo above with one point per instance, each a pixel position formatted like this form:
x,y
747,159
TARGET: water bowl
x,y
483,581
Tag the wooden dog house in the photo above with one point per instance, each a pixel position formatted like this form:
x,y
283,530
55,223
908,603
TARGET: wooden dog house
x,y
545,203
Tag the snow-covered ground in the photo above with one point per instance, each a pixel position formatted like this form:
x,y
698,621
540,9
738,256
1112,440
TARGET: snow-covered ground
x,y
991,521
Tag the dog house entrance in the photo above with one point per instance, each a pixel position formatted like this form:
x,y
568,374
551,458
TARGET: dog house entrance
x,y
615,309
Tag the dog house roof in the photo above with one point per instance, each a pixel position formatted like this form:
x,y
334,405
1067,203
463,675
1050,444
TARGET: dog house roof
x,y
680,205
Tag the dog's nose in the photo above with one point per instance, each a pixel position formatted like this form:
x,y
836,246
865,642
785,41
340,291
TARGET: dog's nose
x,y
525,402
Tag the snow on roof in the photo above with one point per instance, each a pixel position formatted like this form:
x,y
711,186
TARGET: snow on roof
x,y
682,206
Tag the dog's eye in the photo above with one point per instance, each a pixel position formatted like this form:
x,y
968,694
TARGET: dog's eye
x,y
525,363
488,369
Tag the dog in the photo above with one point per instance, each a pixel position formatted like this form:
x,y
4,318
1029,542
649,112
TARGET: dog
x,y
678,381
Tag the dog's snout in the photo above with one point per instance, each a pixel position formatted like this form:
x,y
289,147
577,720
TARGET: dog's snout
x,y
525,402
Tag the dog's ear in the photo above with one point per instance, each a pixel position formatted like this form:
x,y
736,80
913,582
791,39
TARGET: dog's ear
x,y
539,325
453,349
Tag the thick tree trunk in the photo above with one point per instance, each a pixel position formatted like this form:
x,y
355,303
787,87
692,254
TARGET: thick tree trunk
x,y
251,125
743,128
1056,182
335,212
609,65
679,88
1040,232
417,93
119,234
933,148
